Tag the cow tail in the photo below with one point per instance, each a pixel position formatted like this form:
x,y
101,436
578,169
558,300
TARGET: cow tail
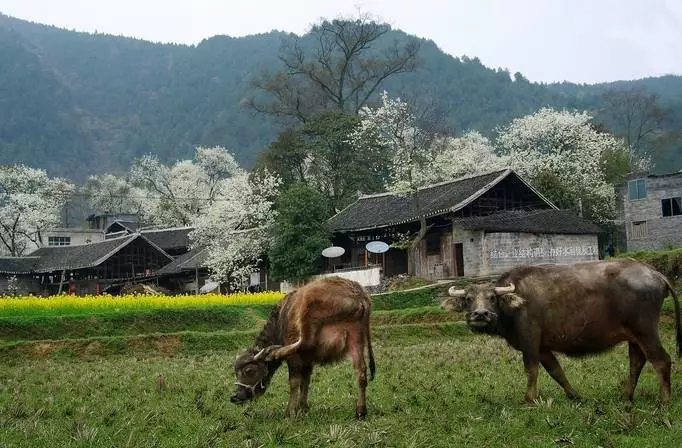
x,y
677,321
368,335
678,330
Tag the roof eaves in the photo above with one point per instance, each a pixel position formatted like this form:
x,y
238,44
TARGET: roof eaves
x,y
129,239
155,246
481,192
534,190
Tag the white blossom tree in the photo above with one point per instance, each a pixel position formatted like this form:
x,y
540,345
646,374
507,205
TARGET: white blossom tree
x,y
178,194
30,203
468,155
562,154
107,193
394,127
237,228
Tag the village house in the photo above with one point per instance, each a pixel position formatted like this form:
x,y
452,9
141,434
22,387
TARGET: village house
x,y
83,269
478,225
650,209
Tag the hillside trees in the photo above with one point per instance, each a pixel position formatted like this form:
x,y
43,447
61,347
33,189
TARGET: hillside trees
x,y
30,203
635,114
338,65
321,155
300,233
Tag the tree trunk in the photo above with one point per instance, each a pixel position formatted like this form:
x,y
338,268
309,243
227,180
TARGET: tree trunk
x,y
414,254
61,281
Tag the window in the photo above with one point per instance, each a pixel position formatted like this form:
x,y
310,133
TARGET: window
x,y
637,189
58,240
638,230
671,206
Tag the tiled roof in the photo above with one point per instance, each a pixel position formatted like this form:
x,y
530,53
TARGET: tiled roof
x,y
186,262
387,209
169,239
53,258
17,265
535,221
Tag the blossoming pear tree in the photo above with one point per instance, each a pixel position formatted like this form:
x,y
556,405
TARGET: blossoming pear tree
x,y
30,203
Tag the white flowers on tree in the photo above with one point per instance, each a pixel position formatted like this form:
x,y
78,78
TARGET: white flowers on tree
x,y
178,194
468,155
564,148
107,193
230,211
236,229
30,203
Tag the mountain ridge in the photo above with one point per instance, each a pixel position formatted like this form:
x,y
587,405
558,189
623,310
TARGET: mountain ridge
x,y
78,103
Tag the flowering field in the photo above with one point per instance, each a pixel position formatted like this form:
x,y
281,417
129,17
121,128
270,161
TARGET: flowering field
x,y
75,305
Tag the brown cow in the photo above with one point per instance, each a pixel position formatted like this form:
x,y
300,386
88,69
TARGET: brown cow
x,y
577,310
319,323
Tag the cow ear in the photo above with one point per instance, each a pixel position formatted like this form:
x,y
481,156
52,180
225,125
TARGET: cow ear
x,y
513,300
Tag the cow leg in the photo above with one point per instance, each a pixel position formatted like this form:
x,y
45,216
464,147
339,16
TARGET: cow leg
x,y
306,373
637,361
357,354
531,363
552,366
295,381
659,358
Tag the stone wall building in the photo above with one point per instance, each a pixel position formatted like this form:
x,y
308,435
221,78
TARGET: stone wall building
x,y
650,208
478,225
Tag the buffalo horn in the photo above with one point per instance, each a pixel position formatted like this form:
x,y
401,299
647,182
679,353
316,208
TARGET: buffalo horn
x,y
504,289
258,355
456,292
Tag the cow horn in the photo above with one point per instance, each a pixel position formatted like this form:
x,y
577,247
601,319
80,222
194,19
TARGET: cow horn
x,y
504,289
258,355
456,292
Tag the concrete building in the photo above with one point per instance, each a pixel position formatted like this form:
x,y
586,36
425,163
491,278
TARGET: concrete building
x,y
478,225
650,207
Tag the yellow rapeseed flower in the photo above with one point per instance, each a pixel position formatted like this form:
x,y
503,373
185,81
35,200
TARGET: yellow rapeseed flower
x,y
66,304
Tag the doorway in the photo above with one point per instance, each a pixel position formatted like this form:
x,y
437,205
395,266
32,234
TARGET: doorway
x,y
458,259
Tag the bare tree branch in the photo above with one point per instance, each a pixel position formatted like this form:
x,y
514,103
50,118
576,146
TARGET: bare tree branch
x,y
347,64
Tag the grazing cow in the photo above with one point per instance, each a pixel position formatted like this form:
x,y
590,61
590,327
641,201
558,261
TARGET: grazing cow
x,y
577,310
319,323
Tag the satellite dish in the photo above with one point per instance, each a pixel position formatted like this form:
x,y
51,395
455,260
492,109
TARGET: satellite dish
x,y
377,247
333,252
209,286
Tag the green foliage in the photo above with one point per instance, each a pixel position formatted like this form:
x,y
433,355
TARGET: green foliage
x,y
300,233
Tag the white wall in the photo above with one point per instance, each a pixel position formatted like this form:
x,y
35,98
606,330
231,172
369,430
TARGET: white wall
x,y
370,276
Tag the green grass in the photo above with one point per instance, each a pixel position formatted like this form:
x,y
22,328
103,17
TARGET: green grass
x,y
433,389
92,381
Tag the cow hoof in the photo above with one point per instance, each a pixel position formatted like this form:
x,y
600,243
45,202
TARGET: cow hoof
x,y
361,412
573,395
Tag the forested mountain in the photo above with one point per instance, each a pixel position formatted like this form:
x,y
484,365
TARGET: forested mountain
x,y
77,103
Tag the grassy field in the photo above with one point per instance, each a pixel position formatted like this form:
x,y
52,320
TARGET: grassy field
x,y
437,385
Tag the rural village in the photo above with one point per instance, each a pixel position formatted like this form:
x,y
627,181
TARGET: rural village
x,y
440,253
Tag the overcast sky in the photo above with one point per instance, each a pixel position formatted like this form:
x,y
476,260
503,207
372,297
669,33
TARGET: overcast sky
x,y
546,40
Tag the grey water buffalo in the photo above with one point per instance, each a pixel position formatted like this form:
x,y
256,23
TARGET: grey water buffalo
x,y
320,323
577,310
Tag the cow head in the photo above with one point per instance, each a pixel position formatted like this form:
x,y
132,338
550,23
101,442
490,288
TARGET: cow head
x,y
253,375
482,304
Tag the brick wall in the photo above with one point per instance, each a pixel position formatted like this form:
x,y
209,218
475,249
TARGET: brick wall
x,y
494,253
661,231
